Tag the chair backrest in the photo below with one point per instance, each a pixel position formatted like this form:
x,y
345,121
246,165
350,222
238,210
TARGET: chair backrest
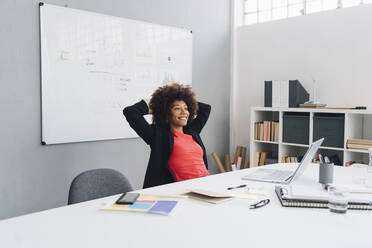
x,y
97,183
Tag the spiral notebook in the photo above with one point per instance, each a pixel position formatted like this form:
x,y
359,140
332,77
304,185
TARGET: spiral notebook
x,y
287,201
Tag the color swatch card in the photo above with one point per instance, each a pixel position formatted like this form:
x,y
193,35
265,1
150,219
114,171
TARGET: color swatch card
x,y
155,204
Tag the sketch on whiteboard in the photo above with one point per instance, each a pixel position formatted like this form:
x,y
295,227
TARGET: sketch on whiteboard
x,y
94,65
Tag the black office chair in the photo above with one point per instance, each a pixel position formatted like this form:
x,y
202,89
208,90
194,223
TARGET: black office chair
x,y
97,183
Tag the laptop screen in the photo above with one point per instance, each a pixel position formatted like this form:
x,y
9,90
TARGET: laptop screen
x,y
307,159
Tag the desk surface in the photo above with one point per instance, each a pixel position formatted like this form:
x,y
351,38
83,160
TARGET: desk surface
x,y
194,224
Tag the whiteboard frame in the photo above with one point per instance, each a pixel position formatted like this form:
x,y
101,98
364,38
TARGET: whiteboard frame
x,y
45,137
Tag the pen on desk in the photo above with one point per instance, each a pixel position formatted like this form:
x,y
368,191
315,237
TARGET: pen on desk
x,y
236,187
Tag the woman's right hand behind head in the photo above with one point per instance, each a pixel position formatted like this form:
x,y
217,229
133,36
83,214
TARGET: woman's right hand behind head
x,y
148,105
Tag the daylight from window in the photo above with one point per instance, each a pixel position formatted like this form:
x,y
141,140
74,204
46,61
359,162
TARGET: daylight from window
x,y
258,11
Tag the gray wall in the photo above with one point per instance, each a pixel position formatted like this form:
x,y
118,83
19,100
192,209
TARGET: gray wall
x,y
35,177
333,47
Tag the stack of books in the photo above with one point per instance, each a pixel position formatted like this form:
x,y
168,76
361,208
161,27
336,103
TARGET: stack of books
x,y
358,144
267,131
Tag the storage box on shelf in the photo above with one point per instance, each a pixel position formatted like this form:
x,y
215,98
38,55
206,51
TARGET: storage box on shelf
x,y
296,127
299,127
331,127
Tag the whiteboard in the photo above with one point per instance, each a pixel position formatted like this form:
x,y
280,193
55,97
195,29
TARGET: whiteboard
x,y
93,65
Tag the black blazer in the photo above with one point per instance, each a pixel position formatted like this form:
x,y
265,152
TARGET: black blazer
x,y
161,140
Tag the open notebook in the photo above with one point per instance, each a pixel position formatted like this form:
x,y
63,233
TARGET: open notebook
x,y
284,176
208,196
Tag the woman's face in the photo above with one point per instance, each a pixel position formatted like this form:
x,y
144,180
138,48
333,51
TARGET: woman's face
x,y
179,115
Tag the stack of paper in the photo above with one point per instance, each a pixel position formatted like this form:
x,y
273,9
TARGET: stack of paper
x,y
317,192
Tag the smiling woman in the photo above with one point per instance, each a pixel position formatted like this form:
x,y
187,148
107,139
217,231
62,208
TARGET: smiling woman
x,y
177,151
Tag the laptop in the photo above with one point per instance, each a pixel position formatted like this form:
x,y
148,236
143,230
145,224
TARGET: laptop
x,y
284,176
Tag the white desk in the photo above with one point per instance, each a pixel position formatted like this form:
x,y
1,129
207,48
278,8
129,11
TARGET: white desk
x,y
195,224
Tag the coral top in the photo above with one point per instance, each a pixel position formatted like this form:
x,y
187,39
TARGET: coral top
x,y
186,160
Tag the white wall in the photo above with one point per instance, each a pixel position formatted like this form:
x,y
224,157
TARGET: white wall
x,y
333,47
35,177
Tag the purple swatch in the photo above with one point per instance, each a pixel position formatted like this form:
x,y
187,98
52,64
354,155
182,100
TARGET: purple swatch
x,y
163,207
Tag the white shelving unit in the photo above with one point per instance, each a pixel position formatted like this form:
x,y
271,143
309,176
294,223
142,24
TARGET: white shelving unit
x,y
357,125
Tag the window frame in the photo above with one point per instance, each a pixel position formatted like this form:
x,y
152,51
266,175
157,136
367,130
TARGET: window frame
x,y
288,5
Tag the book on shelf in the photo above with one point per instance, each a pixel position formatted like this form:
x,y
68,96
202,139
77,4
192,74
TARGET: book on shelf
x,y
256,158
261,127
358,144
314,201
266,131
259,158
263,156
264,127
360,141
288,159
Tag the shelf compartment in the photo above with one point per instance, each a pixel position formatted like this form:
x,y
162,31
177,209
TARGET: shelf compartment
x,y
359,157
292,151
265,147
265,125
265,116
335,156
359,126
329,126
296,127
